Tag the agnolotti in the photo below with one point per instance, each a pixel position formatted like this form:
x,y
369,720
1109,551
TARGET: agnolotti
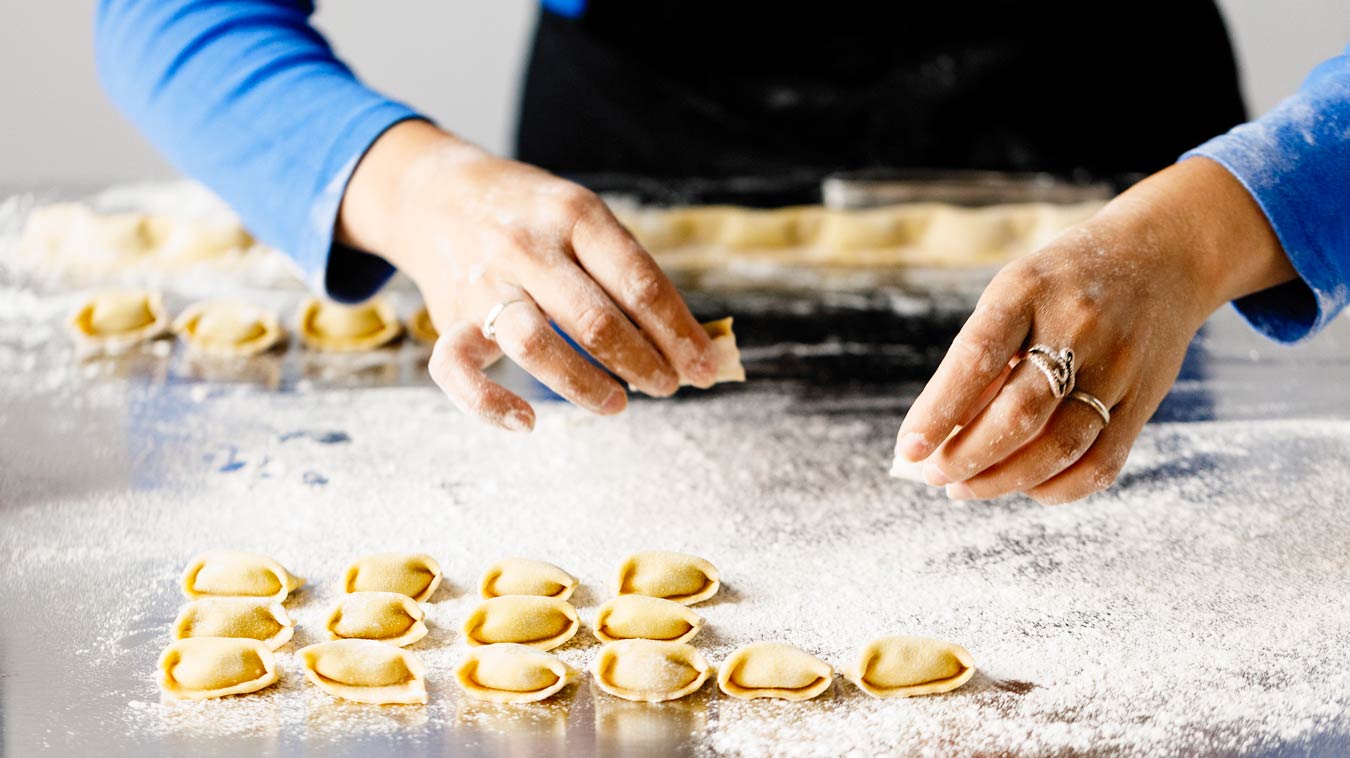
x,y
510,673
365,671
237,573
630,617
116,320
650,671
539,622
685,579
421,328
389,617
774,670
199,668
228,329
332,327
908,666
416,575
522,576
256,618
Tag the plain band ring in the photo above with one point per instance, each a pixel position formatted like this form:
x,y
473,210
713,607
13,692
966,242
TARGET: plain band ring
x,y
490,321
1094,403
1057,366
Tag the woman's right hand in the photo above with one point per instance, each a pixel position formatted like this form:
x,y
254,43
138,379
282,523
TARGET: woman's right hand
x,y
473,230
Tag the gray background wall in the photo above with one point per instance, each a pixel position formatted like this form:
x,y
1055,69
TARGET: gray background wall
x,y
458,61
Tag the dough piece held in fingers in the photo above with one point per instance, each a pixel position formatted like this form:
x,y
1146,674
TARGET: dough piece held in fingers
x,y
365,671
539,622
908,666
114,321
522,576
227,329
421,329
629,617
333,327
389,617
684,578
510,673
416,575
199,668
649,671
774,670
237,573
256,618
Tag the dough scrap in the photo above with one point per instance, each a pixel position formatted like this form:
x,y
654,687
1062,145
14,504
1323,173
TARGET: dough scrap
x,y
114,321
228,329
333,327
908,666
416,575
630,617
686,579
421,329
366,671
725,352
510,673
199,668
650,671
236,573
774,670
389,617
522,576
257,618
539,622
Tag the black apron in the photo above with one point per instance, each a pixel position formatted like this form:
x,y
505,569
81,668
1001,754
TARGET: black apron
x,y
718,88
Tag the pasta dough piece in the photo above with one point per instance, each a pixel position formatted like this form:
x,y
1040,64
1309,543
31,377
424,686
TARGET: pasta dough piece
x,y
650,671
116,320
747,228
421,329
416,575
388,617
511,673
630,617
237,573
908,666
228,329
540,622
198,668
686,579
725,352
522,576
257,618
332,327
774,669
365,671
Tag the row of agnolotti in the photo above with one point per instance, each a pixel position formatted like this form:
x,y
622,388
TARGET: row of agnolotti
x,y
225,637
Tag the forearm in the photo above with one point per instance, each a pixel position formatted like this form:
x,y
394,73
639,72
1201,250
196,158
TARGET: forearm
x,y
247,97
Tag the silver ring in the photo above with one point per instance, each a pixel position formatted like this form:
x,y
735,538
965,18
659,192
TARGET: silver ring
x,y
1096,405
489,322
1057,365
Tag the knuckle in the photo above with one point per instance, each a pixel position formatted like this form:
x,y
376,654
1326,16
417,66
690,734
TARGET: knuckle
x,y
1022,410
531,346
645,287
598,326
574,201
976,352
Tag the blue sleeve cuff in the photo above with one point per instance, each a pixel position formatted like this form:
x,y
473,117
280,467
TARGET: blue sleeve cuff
x,y
1295,162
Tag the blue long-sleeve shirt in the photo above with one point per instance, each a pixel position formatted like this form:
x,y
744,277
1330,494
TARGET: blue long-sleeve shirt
x,y
247,97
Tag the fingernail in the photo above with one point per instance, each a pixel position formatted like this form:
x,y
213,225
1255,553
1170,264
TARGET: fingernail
x,y
934,476
960,491
518,421
616,402
912,447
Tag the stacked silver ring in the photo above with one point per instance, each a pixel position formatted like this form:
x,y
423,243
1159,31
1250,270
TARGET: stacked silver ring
x,y
1057,365
490,321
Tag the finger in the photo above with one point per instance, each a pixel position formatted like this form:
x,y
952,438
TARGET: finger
x,y
1098,468
1014,417
990,338
632,279
1068,434
456,366
528,339
585,312
988,395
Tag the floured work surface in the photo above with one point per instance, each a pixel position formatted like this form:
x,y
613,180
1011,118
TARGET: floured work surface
x,y
1199,607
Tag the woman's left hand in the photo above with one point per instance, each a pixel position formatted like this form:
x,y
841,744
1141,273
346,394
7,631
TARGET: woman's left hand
x,y
1125,291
